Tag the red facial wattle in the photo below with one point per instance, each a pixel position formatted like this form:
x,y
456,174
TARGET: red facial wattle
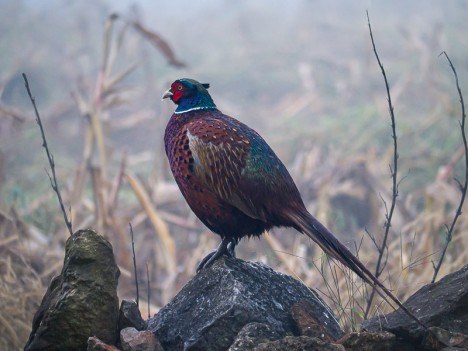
x,y
176,94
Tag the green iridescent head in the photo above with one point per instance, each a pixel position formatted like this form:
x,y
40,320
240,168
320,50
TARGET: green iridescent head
x,y
189,95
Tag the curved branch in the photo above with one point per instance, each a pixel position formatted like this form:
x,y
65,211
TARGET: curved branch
x,y
393,172
464,187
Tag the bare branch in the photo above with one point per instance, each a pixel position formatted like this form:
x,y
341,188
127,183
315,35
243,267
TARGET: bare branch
x,y
50,157
148,289
135,266
463,187
372,238
394,175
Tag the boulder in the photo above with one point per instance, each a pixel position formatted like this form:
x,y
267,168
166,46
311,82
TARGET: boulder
x,y
209,312
82,301
134,340
443,304
130,316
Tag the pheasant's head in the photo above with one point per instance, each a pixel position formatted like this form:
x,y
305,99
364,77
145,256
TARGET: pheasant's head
x,y
189,95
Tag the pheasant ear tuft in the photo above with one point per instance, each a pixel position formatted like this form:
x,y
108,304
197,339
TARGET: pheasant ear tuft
x,y
206,85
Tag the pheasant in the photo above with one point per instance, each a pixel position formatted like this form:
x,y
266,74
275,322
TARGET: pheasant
x,y
234,182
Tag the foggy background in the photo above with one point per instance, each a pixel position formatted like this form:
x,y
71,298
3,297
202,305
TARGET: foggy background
x,y
302,73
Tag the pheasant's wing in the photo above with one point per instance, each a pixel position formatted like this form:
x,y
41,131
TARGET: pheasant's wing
x,y
236,164
220,151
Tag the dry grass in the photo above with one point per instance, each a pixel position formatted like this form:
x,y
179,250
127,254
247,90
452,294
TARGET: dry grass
x,y
110,187
21,288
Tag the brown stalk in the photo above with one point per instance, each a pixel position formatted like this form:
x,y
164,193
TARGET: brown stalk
x,y
104,97
158,224
117,184
116,79
99,210
158,43
99,95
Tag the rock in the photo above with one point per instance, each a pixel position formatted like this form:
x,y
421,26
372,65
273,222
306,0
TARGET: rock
x,y
382,341
253,334
218,302
82,301
130,316
94,344
299,343
134,340
443,304
304,314
437,338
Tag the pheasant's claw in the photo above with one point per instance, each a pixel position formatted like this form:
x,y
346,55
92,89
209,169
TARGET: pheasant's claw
x,y
226,247
232,247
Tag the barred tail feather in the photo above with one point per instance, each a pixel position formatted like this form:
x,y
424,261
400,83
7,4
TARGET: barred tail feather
x,y
310,226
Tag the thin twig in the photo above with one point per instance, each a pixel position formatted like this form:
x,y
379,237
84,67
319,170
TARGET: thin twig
x,y
393,171
135,266
50,157
148,289
464,187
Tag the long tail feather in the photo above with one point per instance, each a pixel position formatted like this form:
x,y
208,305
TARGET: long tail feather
x,y
311,227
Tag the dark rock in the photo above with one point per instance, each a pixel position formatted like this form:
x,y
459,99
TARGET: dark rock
x,y
253,334
438,338
304,314
134,340
382,341
443,304
299,343
218,302
130,316
94,344
82,301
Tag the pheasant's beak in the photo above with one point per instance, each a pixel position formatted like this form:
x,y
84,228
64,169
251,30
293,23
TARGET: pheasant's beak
x,y
167,94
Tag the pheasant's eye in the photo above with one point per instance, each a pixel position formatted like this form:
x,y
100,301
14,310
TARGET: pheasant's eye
x,y
179,87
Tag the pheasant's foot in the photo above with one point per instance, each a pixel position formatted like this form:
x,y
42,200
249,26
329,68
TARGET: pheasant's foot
x,y
226,247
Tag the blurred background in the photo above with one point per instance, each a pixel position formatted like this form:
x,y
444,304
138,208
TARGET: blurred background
x,y
302,73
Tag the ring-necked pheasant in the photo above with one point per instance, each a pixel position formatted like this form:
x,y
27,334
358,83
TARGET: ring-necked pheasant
x,y
235,183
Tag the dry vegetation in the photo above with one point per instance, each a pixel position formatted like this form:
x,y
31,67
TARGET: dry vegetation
x,y
325,114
